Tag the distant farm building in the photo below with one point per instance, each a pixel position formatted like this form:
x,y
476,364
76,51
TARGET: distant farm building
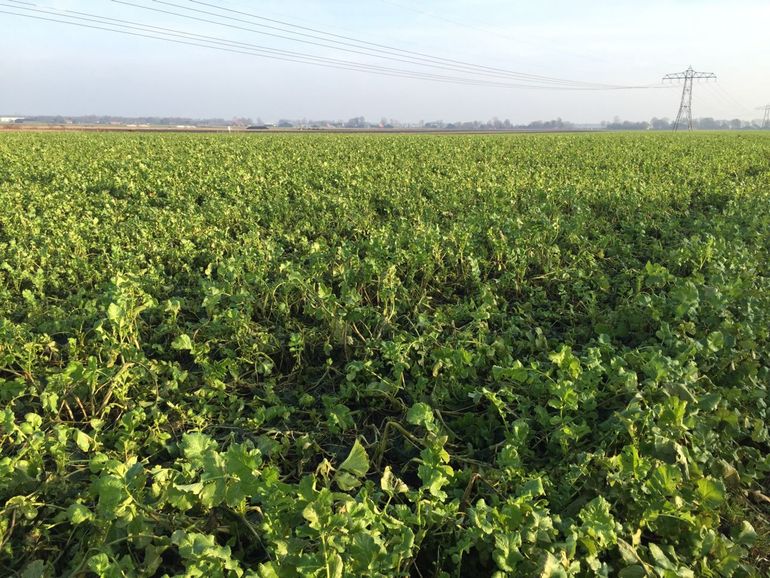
x,y
10,119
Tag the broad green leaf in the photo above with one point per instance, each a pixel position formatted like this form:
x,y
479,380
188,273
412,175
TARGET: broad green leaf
x,y
507,555
531,488
686,298
599,525
195,446
628,552
516,373
268,570
552,568
364,550
346,481
711,493
336,567
709,402
82,440
24,505
35,569
661,560
112,493
666,479
99,563
115,313
78,513
716,341
420,414
183,343
353,468
745,535
357,462
635,571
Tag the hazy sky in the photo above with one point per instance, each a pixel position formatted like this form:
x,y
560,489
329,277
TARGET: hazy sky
x,y
52,68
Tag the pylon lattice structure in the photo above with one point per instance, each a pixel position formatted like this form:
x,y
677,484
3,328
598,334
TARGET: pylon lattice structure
x,y
685,108
766,120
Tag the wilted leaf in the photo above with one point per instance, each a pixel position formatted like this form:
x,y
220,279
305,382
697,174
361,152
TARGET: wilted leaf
x,y
390,484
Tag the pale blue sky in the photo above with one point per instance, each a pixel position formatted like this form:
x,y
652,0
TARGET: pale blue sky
x,y
53,68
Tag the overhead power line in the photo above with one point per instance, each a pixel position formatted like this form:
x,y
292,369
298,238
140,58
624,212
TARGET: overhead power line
x,y
487,76
223,47
731,98
421,60
384,48
724,106
127,24
335,45
191,39
487,31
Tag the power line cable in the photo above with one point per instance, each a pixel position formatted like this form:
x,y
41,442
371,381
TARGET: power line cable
x,y
419,59
364,51
251,52
382,47
226,46
478,28
219,40
256,50
724,105
734,100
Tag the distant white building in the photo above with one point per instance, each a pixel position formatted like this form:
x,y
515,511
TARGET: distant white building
x,y
10,119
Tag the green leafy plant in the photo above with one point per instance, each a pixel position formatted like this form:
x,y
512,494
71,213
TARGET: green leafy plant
x,y
318,355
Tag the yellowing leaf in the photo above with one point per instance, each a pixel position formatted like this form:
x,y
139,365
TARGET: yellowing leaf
x,y
82,440
390,484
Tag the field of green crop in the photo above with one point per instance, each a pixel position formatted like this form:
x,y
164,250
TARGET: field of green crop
x,y
430,356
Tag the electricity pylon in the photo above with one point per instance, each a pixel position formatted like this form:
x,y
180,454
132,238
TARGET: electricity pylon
x,y
685,108
766,120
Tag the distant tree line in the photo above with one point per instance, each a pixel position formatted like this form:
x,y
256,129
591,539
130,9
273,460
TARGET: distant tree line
x,y
707,123
93,119
557,124
360,122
